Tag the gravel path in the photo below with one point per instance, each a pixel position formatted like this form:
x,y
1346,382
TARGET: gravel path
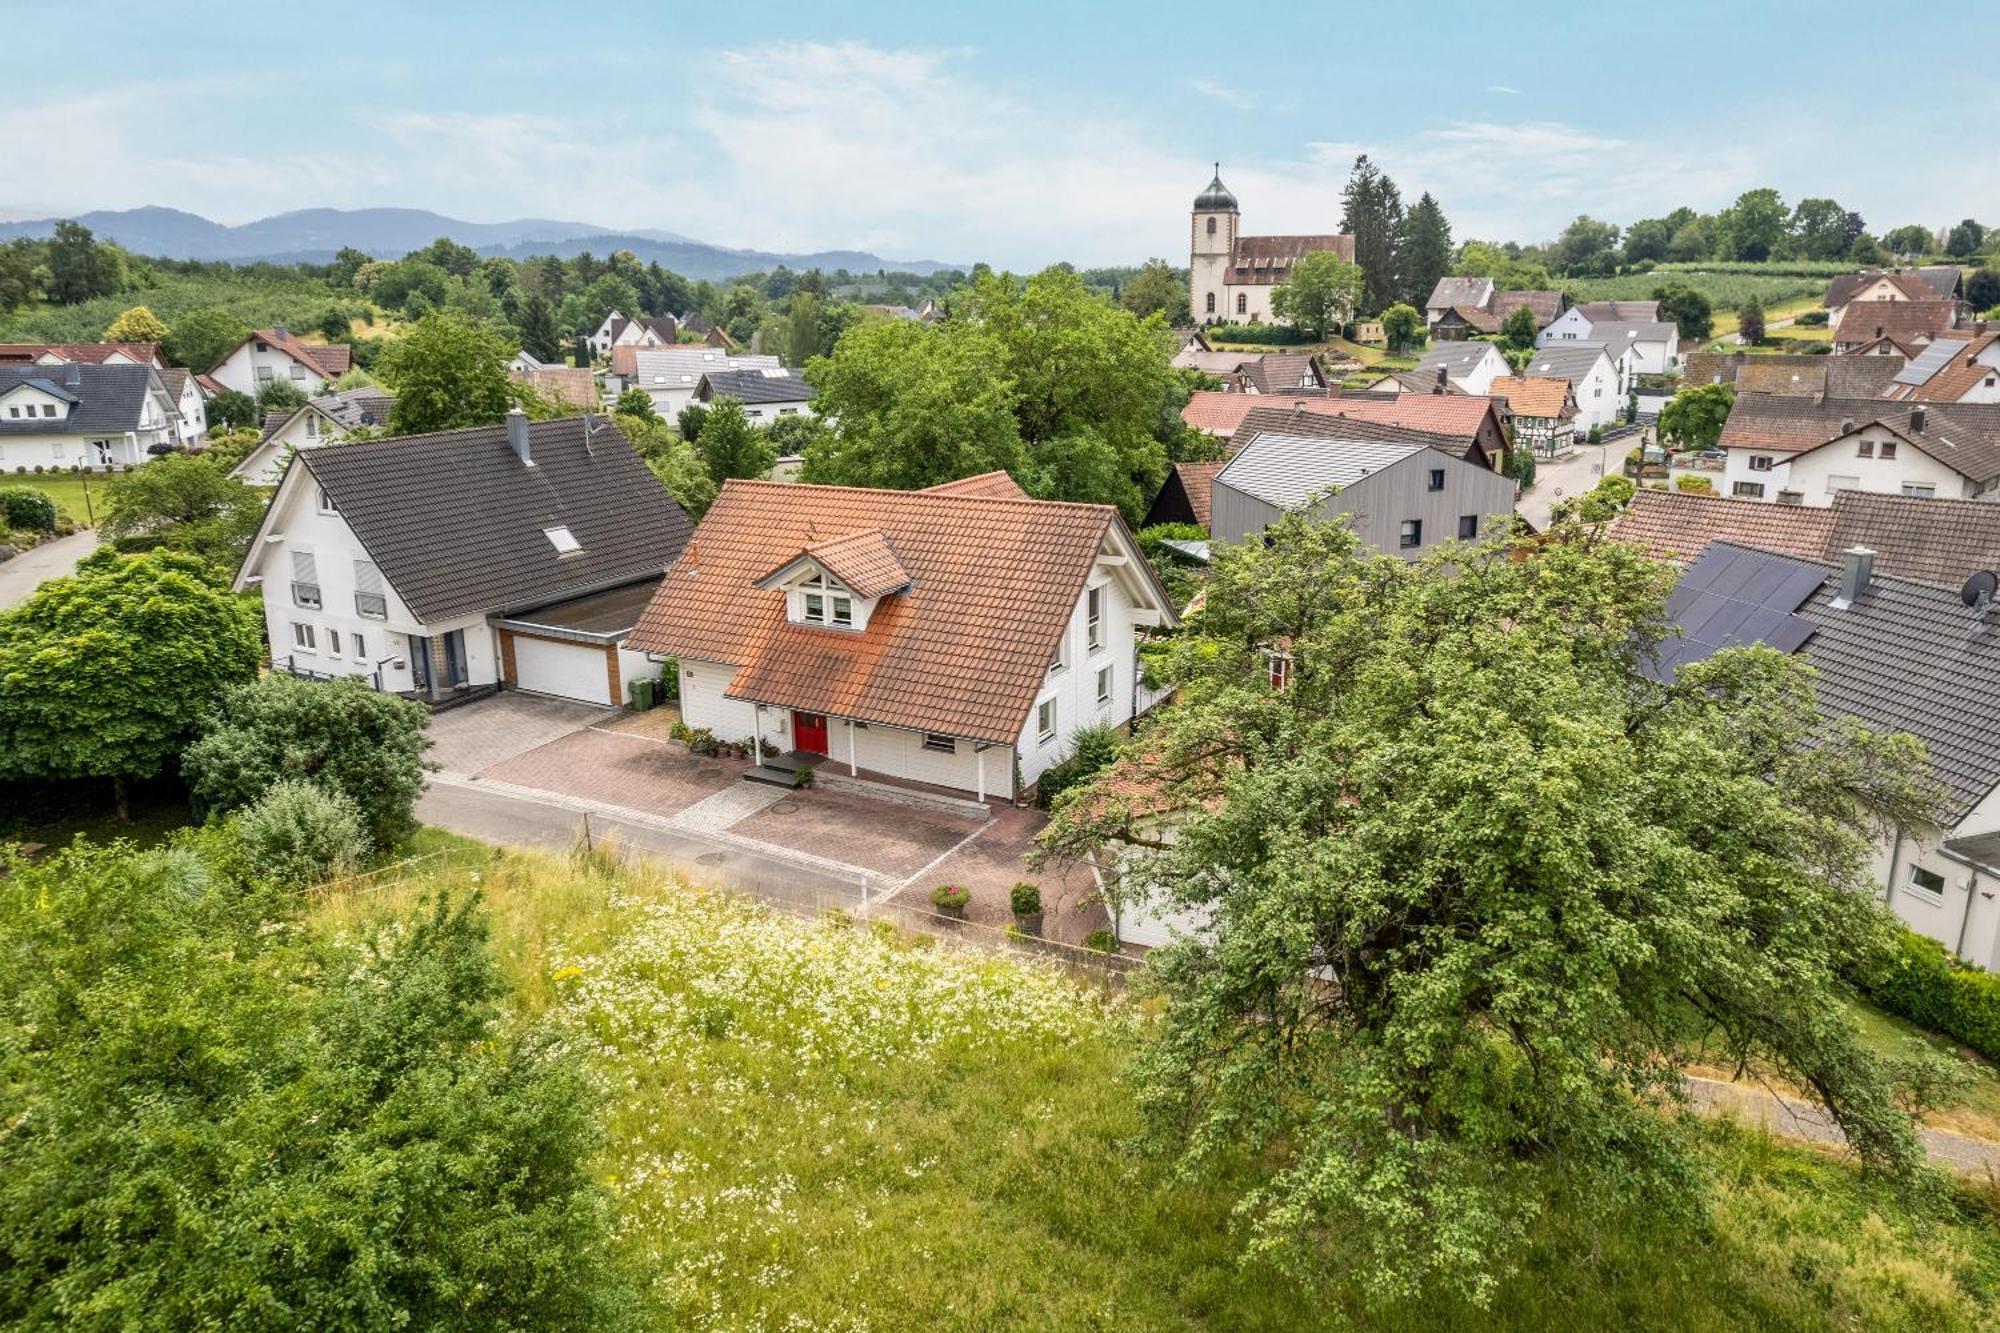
x,y
1794,1118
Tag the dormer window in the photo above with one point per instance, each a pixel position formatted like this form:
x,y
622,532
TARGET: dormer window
x,y
563,540
823,601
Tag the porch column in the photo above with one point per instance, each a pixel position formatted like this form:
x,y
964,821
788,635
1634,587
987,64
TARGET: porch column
x,y
853,769
757,733
979,767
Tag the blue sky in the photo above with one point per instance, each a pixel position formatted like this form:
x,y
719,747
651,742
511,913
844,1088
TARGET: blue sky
x,y
1015,133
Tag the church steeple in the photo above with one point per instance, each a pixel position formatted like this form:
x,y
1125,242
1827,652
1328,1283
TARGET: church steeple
x,y
1216,198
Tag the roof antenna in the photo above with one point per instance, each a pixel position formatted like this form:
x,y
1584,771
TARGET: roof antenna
x,y
589,430
1978,594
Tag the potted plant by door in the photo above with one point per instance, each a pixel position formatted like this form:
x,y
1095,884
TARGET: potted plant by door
x,y
950,899
1027,901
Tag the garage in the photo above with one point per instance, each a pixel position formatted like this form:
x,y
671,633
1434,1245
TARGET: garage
x,y
572,649
567,670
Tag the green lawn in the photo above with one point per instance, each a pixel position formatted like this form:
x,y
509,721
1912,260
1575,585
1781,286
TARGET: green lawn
x,y
829,1125
67,490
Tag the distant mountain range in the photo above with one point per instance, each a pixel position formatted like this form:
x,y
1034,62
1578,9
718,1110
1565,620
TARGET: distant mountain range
x,y
312,235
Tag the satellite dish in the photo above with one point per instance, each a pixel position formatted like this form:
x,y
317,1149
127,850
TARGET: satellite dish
x,y
1979,588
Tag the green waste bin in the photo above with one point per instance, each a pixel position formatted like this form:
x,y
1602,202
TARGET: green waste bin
x,y
642,692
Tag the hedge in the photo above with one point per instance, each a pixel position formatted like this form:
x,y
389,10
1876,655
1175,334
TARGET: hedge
x,y
27,509
1267,334
1932,989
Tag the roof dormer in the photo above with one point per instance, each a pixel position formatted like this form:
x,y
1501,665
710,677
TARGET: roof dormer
x,y
837,584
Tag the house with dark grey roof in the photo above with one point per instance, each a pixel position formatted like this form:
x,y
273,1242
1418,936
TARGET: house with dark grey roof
x,y
765,394
83,415
445,565
1470,367
327,419
1898,656
1402,496
1598,381
1801,451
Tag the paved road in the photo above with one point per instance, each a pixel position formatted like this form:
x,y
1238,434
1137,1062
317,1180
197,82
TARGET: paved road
x,y
1562,478
517,818
27,571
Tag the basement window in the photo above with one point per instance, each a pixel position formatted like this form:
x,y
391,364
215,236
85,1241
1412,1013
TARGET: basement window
x,y
1927,882
563,540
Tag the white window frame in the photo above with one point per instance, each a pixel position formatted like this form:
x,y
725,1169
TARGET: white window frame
x,y
1925,891
1059,660
1762,462
303,639
1106,686
324,502
1046,720
840,611
332,641
1093,607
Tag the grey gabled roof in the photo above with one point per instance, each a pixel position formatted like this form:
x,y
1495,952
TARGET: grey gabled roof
x,y
457,523
105,399
1566,359
1454,357
1905,657
1473,292
1289,470
754,386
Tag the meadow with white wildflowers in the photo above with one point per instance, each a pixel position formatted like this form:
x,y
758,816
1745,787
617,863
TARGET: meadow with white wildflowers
x,y
830,1125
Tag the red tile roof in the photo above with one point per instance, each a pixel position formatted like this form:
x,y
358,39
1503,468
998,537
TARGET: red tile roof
x,y
1533,396
1198,479
89,354
963,651
1676,525
1901,322
987,485
1220,413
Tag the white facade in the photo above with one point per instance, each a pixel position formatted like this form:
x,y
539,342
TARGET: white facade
x,y
1872,459
309,428
670,375
52,443
1655,349
631,333
1096,684
1474,376
192,412
256,363
1600,395
1939,893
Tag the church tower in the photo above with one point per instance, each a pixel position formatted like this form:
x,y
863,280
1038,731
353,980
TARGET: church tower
x,y
1211,247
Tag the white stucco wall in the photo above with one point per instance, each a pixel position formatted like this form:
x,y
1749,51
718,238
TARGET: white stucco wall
x,y
240,370
1818,474
1965,915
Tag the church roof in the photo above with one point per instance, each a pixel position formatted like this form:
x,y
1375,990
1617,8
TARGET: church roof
x,y
1216,198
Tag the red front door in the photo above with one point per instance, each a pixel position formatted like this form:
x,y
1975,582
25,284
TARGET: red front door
x,y
809,732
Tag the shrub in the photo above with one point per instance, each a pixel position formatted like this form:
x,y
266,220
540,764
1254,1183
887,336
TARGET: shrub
x,y
1520,465
1101,940
1698,485
951,897
1093,748
300,835
1811,319
1934,990
27,509
699,740
1265,334
1026,899
340,735
670,681
1597,435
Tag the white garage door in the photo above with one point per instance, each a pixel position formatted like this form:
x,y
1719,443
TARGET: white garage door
x,y
571,670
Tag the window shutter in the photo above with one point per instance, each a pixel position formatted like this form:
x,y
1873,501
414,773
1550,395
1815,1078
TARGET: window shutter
x,y
367,578
305,569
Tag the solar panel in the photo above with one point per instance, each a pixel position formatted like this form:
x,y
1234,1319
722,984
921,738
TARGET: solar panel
x,y
1929,362
1732,596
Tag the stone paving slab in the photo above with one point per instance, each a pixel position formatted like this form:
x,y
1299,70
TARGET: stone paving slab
x,y
476,736
739,800
632,772
893,838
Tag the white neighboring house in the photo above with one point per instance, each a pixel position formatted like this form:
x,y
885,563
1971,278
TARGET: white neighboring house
x,y
439,565
670,375
1943,451
328,419
1620,326
1961,368
765,394
92,416
958,637
618,331
1471,367
1599,383
190,405
277,354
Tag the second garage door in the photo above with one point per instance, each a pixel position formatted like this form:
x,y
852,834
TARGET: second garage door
x,y
571,670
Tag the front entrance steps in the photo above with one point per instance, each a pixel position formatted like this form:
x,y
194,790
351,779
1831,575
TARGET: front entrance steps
x,y
785,770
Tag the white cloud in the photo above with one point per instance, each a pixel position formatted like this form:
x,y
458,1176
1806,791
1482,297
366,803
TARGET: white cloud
x,y
1503,88
1221,93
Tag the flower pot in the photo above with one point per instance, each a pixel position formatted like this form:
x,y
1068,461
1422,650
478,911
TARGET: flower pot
x,y
1028,923
956,911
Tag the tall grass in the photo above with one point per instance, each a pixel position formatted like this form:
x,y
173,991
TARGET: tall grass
x,y
828,1125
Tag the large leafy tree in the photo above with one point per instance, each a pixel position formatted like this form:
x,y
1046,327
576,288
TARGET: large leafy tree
x,y
79,267
202,337
106,673
1914,239
1587,245
730,446
673,460
183,503
363,744
1694,417
1691,311
1753,228
1964,240
1318,295
1402,326
217,1117
1372,213
1821,229
1475,886
137,325
447,372
1158,288
1423,250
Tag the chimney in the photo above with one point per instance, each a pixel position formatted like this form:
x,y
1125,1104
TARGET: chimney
x,y
1917,419
1440,387
1298,407
517,436
1857,567
1878,330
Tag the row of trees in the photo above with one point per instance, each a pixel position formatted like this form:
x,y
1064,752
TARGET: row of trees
x,y
1401,252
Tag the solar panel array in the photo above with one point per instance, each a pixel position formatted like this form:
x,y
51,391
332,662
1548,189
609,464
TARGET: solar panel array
x,y
1732,596
1929,362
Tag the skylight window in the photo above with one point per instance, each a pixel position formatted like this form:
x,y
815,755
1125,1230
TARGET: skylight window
x,y
563,540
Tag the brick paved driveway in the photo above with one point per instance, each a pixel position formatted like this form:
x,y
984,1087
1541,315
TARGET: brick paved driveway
x,y
476,736
885,836
618,768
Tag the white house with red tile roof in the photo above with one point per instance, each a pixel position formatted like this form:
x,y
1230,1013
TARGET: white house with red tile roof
x,y
958,637
278,354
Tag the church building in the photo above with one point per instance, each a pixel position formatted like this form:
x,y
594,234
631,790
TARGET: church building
x,y
1230,276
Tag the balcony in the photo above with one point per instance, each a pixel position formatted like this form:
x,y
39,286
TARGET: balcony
x,y
306,595
373,605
